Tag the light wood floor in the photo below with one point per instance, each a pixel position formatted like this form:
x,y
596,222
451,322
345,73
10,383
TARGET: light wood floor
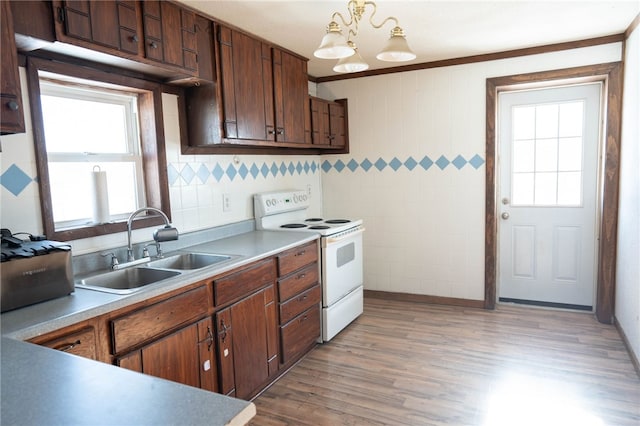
x,y
404,363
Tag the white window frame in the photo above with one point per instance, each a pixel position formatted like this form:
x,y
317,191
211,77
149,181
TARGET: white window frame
x,y
62,86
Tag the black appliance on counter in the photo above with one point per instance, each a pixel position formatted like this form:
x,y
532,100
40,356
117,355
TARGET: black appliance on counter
x,y
33,271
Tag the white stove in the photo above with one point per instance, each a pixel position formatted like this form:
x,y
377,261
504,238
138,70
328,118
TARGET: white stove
x,y
341,253
286,211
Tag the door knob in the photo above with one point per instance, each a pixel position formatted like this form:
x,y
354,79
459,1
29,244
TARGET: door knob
x,y
505,215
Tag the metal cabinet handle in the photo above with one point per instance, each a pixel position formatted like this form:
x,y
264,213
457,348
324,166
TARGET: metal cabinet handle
x,y
134,38
13,105
223,333
505,215
153,45
209,339
300,253
66,347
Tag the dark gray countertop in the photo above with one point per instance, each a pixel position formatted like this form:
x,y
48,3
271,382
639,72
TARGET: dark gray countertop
x,y
44,386
41,386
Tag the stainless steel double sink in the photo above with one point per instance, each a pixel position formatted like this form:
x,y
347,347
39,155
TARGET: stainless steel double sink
x,y
135,278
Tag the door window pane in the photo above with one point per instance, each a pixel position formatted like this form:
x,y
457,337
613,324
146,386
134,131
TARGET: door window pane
x,y
546,155
571,119
523,155
570,155
546,168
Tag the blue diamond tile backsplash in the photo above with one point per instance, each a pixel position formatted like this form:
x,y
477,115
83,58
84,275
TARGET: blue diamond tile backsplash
x,y
15,180
394,164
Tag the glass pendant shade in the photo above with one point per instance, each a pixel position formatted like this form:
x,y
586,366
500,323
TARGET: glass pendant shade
x,y
397,49
353,63
333,45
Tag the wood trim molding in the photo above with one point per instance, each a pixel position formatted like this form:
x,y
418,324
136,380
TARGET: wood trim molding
x,y
423,298
632,354
632,26
477,58
611,75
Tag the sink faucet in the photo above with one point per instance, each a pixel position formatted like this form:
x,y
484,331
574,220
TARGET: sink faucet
x,y
168,233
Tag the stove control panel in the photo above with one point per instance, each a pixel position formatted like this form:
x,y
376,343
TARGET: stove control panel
x,y
269,203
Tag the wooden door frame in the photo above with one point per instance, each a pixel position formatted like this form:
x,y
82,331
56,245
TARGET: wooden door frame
x,y
611,76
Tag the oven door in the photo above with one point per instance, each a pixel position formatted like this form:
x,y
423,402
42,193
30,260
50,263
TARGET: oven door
x,y
341,264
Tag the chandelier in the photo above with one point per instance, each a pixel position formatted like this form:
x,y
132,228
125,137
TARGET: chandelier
x,y
335,46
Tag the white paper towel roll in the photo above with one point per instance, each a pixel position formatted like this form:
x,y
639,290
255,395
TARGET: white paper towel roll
x,y
100,196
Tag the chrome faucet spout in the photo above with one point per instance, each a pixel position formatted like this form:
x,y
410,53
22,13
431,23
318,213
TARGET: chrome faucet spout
x,y
159,212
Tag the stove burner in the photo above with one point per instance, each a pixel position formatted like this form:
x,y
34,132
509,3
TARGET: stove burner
x,y
319,227
293,225
314,219
334,221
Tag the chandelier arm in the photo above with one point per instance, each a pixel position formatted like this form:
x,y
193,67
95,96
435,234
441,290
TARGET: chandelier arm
x,y
344,21
375,9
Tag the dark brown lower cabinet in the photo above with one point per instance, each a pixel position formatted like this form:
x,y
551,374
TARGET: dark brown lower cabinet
x,y
247,342
186,356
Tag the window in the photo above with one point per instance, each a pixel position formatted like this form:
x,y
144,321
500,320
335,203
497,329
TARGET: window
x,y
90,130
95,123
547,154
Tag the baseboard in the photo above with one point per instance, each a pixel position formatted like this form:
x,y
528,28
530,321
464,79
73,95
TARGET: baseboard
x,y
632,355
423,298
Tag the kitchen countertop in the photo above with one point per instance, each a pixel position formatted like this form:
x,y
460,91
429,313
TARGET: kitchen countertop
x,y
42,386
41,318
37,381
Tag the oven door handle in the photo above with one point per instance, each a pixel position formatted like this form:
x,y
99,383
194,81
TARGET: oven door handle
x,y
342,236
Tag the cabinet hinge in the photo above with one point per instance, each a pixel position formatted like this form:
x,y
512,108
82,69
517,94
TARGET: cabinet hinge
x,y
60,14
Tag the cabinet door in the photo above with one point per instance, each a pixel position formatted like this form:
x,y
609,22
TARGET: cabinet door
x,y
247,344
11,111
170,34
174,357
337,125
207,356
186,356
107,24
319,122
290,95
250,355
243,86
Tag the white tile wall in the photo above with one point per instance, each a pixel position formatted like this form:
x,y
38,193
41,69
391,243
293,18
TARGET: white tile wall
x,y
425,228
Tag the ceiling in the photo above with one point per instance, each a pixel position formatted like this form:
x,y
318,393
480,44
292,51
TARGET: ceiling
x,y
435,30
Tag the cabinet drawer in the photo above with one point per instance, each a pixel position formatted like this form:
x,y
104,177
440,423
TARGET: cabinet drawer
x,y
298,282
299,304
243,283
297,257
300,333
146,323
81,343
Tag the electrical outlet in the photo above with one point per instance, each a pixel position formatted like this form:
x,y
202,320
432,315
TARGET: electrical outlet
x,y
309,190
226,202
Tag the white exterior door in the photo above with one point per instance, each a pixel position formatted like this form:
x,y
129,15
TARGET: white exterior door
x,y
547,200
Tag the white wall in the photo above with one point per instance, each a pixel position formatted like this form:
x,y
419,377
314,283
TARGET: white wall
x,y
425,228
627,309
196,183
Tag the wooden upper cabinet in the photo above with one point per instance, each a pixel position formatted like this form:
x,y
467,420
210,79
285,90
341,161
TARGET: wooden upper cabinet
x,y
264,90
290,96
329,124
108,26
11,108
245,98
170,34
337,124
